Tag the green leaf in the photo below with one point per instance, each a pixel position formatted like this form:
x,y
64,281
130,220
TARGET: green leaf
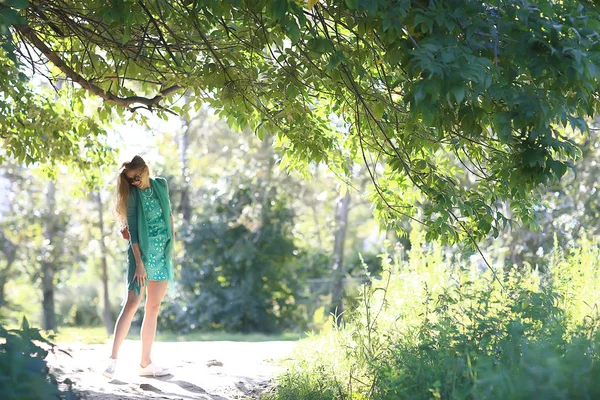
x,y
343,189
425,22
534,157
394,55
352,4
292,30
126,34
503,126
459,93
9,17
278,8
420,165
322,45
378,109
25,324
18,4
559,168
9,47
336,59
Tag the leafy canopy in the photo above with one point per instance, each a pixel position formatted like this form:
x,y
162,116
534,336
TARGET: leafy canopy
x,y
416,87
41,126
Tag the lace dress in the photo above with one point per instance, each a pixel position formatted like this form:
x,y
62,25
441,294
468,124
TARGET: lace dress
x,y
156,264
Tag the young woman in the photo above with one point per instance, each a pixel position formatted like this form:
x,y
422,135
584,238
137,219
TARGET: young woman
x,y
144,210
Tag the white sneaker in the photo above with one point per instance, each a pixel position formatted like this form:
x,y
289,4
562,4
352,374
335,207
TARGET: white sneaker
x,y
110,370
153,370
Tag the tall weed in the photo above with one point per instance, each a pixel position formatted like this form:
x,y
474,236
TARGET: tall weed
x,y
435,329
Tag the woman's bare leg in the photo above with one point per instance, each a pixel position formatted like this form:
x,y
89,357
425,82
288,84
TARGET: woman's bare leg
x,y
154,295
124,321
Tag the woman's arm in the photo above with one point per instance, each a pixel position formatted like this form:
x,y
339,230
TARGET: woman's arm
x,y
137,254
164,182
132,218
140,274
140,269
172,228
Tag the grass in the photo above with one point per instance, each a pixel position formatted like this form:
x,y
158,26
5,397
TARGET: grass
x,y
85,335
98,335
229,336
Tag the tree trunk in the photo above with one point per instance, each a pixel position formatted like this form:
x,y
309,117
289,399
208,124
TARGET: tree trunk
x,y
184,144
264,188
265,182
338,273
9,249
313,206
48,260
4,277
108,318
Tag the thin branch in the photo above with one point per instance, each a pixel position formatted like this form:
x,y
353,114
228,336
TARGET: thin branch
x,y
162,38
125,102
472,240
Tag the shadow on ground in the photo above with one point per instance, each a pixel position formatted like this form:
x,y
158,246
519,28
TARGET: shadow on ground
x,y
206,371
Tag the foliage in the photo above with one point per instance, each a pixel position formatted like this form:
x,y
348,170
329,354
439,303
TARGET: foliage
x,y
237,273
431,329
568,211
24,374
72,251
41,127
502,88
78,305
226,162
223,167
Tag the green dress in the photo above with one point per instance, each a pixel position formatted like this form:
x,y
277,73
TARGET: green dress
x,y
149,223
156,264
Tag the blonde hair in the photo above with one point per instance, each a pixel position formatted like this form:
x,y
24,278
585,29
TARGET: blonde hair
x,y
123,186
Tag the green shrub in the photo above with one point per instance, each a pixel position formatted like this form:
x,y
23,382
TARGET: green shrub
x,y
435,329
492,345
24,374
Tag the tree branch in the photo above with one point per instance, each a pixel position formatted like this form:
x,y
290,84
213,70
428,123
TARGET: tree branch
x,y
125,102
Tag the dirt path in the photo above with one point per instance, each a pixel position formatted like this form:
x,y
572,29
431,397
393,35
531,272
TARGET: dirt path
x,y
199,370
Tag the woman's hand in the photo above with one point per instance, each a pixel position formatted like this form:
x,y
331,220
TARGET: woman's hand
x,y
140,274
125,232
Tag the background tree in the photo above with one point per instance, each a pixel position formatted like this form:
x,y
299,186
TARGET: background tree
x,y
49,257
38,127
242,269
107,313
9,255
413,81
457,112
338,268
568,211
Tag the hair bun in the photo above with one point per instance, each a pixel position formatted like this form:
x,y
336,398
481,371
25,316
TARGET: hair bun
x,y
136,162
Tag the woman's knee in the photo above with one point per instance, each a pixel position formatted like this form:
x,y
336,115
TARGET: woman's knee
x,y
133,302
152,308
156,292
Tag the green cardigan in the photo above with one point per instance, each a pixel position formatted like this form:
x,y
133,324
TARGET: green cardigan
x,y
138,229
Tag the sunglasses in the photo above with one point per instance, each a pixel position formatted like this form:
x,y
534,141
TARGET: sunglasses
x,y
136,178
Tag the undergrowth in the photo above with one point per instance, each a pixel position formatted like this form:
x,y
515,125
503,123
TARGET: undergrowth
x,y
24,373
435,329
